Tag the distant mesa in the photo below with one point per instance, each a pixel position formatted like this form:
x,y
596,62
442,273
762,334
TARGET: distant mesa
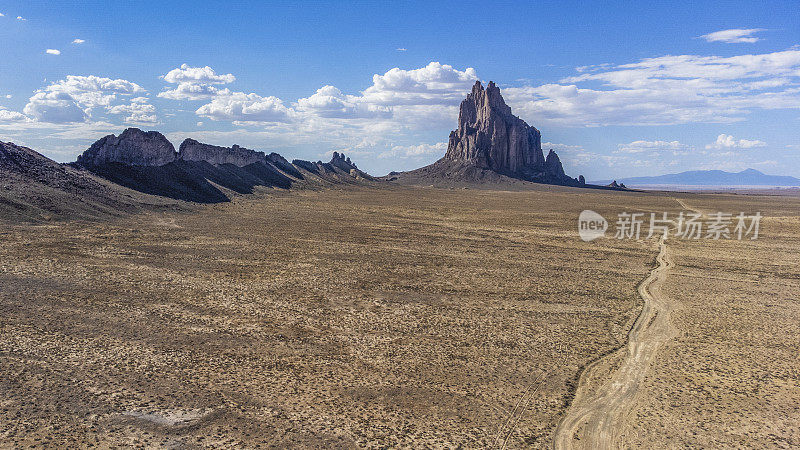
x,y
711,178
492,143
147,162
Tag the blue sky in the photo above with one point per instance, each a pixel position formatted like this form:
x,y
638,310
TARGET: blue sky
x,y
622,89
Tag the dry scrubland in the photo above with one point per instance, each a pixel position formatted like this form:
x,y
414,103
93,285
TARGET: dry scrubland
x,y
732,376
384,317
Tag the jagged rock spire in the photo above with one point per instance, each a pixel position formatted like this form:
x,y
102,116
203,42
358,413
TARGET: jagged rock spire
x,y
491,137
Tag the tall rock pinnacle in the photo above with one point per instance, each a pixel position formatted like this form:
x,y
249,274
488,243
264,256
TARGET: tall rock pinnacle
x,y
490,137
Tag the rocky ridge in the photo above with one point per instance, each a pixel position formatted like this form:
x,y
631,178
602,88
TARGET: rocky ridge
x,y
147,162
192,150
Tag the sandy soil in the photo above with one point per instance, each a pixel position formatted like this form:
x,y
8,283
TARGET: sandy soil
x,y
348,318
402,317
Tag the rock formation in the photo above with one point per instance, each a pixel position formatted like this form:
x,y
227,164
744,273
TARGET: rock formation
x,y
342,162
492,143
147,162
490,137
133,147
192,150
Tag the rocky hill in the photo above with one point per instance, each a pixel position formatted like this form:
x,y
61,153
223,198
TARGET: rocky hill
x,y
204,173
133,147
491,145
34,187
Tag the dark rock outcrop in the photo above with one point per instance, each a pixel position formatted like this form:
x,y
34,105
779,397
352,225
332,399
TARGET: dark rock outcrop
x,y
147,162
133,147
340,168
192,150
490,138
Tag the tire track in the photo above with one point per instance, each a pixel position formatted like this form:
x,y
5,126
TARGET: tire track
x,y
595,419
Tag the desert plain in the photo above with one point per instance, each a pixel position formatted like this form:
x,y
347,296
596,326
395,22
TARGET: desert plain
x,y
392,317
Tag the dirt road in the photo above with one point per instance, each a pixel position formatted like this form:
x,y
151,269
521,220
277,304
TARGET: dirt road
x,y
595,419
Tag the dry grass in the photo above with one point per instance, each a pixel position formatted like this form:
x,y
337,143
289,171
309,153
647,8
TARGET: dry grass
x,y
349,318
732,376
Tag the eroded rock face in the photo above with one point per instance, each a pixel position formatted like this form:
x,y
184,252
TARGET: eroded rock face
x,y
489,136
192,150
552,165
133,147
342,162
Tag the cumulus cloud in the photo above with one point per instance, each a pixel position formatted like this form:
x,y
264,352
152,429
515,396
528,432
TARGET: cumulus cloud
x,y
726,141
21,18
206,75
11,116
139,111
73,98
413,151
55,107
411,98
734,36
329,102
194,83
52,51
435,83
189,91
666,90
241,107
78,41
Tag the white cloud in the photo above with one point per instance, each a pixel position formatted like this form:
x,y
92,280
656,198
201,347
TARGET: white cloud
x,y
194,83
21,18
55,107
417,98
675,147
241,107
329,102
52,51
73,99
726,141
78,41
189,91
734,36
434,84
11,116
9,95
139,111
2,15
411,151
204,75
666,90
401,49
